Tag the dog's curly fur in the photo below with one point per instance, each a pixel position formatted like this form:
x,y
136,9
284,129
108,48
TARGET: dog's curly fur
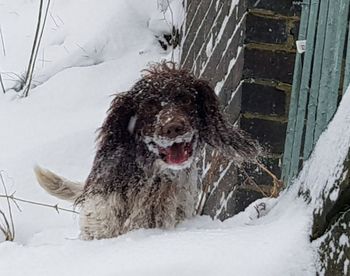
x,y
131,184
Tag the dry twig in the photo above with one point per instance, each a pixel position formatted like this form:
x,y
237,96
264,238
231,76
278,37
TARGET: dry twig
x,y
7,226
252,182
5,229
164,7
277,183
8,229
2,84
36,45
56,207
215,164
2,42
30,65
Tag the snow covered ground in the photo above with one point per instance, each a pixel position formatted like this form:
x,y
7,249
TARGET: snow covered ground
x,y
91,50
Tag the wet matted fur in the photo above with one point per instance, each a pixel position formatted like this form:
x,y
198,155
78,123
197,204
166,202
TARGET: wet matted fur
x,y
144,174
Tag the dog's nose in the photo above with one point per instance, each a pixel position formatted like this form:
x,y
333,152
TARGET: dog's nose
x,y
173,129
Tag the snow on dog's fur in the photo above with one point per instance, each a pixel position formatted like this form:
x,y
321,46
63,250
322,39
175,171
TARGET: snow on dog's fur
x,y
144,174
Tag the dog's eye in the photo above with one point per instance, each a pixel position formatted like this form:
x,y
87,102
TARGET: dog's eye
x,y
183,100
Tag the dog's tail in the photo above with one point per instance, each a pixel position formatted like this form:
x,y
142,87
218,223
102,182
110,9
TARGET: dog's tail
x,y
58,186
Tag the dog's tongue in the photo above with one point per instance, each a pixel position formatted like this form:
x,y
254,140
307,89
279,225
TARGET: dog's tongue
x,y
176,154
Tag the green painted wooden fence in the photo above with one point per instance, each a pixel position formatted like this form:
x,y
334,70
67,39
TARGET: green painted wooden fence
x,y
321,75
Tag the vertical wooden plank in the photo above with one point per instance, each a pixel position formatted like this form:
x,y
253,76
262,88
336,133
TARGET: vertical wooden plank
x,y
327,68
316,77
288,147
342,18
347,63
304,89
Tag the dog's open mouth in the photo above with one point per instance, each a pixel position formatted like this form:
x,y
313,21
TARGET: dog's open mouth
x,y
177,153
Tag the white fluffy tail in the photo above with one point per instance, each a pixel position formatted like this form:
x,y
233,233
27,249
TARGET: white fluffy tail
x,y
58,186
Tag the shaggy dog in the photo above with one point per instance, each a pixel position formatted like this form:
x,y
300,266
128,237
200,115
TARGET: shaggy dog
x,y
144,173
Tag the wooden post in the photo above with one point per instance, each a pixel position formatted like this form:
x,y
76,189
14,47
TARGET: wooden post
x,y
341,26
293,108
316,76
347,64
327,68
304,89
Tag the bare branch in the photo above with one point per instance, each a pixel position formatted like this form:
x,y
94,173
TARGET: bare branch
x,y
36,45
2,84
12,229
30,65
5,229
251,181
7,223
2,42
216,161
164,9
277,183
12,197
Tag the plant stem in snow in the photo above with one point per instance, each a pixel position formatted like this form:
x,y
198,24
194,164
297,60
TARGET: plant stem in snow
x,y
5,229
2,84
29,70
36,45
2,41
10,229
172,31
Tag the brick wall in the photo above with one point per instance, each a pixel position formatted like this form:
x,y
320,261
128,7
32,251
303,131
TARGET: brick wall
x,y
246,50
271,30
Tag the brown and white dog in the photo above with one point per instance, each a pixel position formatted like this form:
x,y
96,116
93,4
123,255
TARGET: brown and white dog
x,y
144,174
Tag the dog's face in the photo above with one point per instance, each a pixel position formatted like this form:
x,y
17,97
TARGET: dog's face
x,y
166,118
167,123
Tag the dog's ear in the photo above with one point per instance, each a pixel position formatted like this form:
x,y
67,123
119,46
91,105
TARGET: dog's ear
x,y
216,131
118,126
115,148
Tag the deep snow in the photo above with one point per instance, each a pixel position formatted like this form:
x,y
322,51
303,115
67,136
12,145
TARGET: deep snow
x,y
92,49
